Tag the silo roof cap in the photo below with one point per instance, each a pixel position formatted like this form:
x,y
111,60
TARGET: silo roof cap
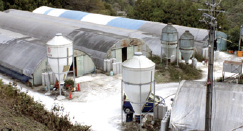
x,y
169,29
187,35
138,61
59,40
138,53
59,34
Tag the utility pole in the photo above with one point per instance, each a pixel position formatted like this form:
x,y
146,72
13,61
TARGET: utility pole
x,y
211,20
209,90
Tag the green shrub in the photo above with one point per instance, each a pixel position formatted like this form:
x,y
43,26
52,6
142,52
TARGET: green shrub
x,y
199,57
25,105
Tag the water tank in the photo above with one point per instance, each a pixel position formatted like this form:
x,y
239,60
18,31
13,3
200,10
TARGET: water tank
x,y
43,79
169,40
51,78
108,64
47,82
186,45
58,49
138,70
105,64
114,68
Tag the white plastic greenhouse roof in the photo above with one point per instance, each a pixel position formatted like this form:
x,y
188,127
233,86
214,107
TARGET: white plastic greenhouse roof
x,y
188,110
146,26
20,53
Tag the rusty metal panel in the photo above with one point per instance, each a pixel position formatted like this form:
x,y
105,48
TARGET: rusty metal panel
x,y
125,43
78,53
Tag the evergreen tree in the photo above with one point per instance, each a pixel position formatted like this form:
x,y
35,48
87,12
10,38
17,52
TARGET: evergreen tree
x,y
233,36
1,5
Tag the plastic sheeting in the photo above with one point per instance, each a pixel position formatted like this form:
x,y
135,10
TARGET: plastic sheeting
x,y
146,26
188,110
20,53
152,39
93,42
102,28
126,23
153,28
14,74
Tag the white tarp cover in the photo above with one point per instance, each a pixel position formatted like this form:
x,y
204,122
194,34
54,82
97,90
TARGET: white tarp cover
x,y
188,110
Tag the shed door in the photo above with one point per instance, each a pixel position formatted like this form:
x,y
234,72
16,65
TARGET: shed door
x,y
119,55
135,49
130,52
80,67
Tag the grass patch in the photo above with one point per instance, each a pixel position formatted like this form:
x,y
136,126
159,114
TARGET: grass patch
x,y
199,57
23,107
186,72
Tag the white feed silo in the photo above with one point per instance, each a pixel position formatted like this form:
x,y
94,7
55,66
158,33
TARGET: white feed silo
x,y
138,80
169,40
186,45
59,53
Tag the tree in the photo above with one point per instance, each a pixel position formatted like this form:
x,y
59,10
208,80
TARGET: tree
x,y
233,36
1,5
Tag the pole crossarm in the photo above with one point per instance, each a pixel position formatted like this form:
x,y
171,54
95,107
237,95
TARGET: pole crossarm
x,y
211,20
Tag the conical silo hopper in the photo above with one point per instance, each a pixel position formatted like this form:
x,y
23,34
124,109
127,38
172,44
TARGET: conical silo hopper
x,y
169,40
186,45
59,52
138,77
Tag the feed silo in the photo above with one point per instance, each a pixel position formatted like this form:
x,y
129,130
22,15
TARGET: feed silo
x,y
59,53
169,40
186,45
138,80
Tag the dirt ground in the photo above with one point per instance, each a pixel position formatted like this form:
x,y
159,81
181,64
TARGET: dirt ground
x,y
10,120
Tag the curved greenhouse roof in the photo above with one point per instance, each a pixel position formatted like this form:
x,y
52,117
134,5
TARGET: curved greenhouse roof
x,y
188,109
20,53
155,46
95,43
145,26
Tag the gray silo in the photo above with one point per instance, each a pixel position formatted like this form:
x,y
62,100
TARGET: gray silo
x,y
169,40
186,45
